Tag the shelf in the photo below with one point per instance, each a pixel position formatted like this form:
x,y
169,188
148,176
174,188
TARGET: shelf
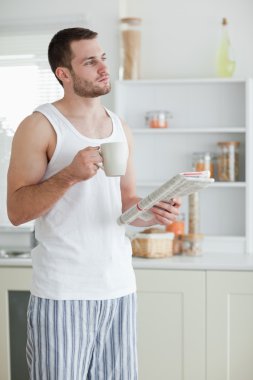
x,y
217,184
187,130
182,81
229,185
205,111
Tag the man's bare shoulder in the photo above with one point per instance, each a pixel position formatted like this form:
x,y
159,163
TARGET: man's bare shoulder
x,y
35,121
35,126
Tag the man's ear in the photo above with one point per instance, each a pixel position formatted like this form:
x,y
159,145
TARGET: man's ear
x,y
62,74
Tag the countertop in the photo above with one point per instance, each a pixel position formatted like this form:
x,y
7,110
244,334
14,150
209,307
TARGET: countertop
x,y
208,261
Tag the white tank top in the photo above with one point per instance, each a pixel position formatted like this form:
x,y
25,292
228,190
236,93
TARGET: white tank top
x,y
82,253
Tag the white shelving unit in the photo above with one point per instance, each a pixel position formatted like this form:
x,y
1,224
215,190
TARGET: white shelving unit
x,y
205,111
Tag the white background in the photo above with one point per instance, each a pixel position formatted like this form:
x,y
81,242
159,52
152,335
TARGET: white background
x,y
180,37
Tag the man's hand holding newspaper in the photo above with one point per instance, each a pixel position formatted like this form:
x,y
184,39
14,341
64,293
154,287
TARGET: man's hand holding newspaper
x,y
180,185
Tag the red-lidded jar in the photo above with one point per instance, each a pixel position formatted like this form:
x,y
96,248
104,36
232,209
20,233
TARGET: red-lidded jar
x,y
158,119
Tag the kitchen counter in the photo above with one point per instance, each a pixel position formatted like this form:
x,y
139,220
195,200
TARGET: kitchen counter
x,y
208,261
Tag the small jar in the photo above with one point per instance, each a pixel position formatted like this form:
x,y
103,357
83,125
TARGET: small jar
x,y
130,48
228,161
178,245
178,229
158,119
203,161
178,226
192,244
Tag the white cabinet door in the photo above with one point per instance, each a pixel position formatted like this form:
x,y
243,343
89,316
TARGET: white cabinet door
x,y
171,324
229,325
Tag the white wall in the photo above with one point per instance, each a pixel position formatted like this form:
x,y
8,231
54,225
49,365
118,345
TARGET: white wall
x,y
100,15
180,37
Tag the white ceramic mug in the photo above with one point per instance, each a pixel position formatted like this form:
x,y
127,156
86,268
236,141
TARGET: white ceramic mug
x,y
115,155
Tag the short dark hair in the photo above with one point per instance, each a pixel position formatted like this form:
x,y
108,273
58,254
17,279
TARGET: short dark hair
x,y
59,51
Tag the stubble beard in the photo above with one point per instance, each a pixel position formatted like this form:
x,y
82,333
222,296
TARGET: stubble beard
x,y
87,89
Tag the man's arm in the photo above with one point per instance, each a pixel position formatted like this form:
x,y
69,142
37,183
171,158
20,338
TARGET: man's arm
x,y
164,213
28,197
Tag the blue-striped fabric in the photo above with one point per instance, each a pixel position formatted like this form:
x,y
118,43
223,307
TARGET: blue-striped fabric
x,y
79,340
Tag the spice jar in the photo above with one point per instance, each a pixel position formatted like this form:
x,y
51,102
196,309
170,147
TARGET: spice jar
x,y
158,119
228,161
130,48
203,161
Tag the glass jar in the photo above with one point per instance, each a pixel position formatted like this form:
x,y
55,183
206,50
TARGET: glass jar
x,y
192,244
130,48
177,245
203,161
178,226
158,119
228,161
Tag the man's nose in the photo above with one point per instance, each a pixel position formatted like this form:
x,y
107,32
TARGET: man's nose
x,y
102,66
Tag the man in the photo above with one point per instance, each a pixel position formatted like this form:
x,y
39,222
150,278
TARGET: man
x,y
81,314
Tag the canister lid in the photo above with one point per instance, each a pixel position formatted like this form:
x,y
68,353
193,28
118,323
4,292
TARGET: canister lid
x,y
131,20
193,237
158,113
227,143
205,155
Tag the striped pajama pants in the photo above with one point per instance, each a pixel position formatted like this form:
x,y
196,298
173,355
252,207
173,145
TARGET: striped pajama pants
x,y
79,340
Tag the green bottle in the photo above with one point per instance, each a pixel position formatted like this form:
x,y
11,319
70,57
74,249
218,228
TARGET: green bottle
x,y
225,65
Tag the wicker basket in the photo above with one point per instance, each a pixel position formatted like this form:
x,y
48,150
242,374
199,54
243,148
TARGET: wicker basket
x,y
153,243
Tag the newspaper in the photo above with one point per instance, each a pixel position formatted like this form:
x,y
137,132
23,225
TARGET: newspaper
x,y
180,185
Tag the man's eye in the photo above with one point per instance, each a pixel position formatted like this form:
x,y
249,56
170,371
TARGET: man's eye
x,y
88,63
104,58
